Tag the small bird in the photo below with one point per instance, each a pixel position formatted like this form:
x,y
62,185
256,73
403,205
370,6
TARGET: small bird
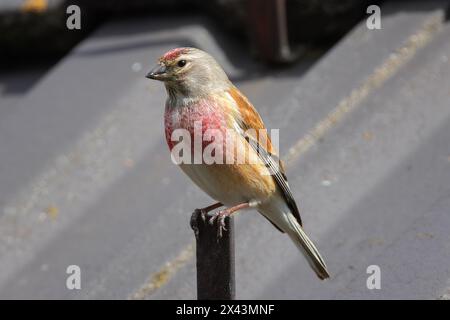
x,y
200,95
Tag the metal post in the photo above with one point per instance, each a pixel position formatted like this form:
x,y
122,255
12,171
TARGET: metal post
x,y
215,259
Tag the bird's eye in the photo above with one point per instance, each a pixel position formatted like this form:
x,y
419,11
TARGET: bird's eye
x,y
181,63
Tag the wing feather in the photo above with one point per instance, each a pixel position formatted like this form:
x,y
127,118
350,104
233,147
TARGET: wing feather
x,y
250,119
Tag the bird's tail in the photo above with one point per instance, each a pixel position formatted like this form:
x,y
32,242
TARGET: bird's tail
x,y
306,246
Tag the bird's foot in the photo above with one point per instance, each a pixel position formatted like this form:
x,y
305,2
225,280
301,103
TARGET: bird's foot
x,y
220,216
223,214
203,212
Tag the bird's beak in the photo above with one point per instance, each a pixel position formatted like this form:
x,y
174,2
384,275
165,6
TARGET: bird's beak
x,y
158,72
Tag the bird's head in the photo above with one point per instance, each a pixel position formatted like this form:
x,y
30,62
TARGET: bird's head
x,y
189,72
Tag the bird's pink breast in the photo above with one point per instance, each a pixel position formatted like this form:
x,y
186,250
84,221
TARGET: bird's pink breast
x,y
205,113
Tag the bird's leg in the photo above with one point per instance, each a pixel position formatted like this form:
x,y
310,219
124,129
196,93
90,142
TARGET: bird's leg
x,y
204,211
222,214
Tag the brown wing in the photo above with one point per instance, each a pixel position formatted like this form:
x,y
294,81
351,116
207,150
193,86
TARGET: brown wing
x,y
250,119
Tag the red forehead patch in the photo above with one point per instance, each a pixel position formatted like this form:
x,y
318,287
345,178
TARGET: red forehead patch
x,y
174,53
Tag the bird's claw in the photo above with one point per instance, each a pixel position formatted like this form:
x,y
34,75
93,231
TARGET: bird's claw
x,y
220,217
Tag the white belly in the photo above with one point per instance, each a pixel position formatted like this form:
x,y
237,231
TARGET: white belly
x,y
206,180
229,184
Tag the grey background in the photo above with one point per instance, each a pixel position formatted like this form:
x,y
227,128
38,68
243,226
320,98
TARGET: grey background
x,y
86,178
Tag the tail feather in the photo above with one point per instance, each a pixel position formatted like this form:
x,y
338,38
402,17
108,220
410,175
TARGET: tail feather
x,y
306,246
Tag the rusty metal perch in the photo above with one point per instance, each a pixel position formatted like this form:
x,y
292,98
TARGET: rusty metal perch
x,y
215,259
